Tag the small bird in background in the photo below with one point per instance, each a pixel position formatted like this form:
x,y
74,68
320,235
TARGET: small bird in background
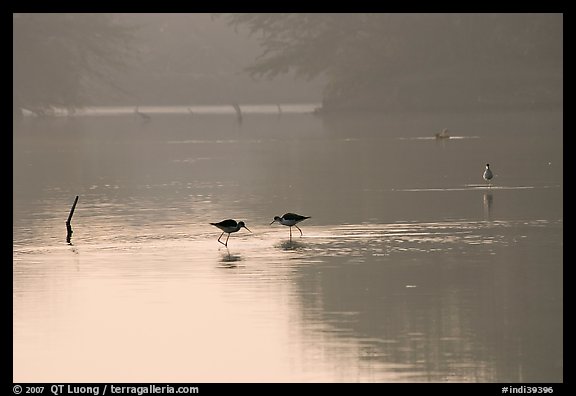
x,y
443,134
290,219
488,175
229,226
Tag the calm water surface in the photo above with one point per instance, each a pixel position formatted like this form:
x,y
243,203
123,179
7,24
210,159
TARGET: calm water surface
x,y
411,269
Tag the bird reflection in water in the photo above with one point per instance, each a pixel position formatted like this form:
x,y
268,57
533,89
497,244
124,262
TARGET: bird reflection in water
x,y
487,202
291,245
229,259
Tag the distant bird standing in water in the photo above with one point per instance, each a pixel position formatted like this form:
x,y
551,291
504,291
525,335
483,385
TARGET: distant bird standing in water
x,y
229,226
290,219
443,134
144,116
488,175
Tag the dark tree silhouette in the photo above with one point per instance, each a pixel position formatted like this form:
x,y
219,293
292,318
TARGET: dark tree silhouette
x,y
403,60
57,58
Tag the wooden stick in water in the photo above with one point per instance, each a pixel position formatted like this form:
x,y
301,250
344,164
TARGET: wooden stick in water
x,y
68,226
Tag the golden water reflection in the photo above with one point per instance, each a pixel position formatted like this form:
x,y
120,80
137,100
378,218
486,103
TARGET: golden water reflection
x,y
334,305
407,271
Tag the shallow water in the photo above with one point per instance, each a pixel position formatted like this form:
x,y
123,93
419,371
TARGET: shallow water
x,y
410,269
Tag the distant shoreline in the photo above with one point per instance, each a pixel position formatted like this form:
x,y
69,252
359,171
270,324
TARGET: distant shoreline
x,y
271,109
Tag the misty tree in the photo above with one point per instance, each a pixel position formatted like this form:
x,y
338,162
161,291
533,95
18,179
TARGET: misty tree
x,y
59,58
386,60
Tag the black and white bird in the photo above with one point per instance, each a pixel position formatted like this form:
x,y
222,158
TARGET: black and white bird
x,y
229,226
488,174
290,219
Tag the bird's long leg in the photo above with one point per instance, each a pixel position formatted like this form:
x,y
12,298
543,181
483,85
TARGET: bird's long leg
x,y
221,237
226,244
298,229
290,232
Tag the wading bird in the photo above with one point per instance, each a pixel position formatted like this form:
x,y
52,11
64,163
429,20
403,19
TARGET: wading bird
x,y
229,226
290,219
443,134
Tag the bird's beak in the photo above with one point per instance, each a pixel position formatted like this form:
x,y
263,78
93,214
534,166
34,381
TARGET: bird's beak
x,y
247,228
273,221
